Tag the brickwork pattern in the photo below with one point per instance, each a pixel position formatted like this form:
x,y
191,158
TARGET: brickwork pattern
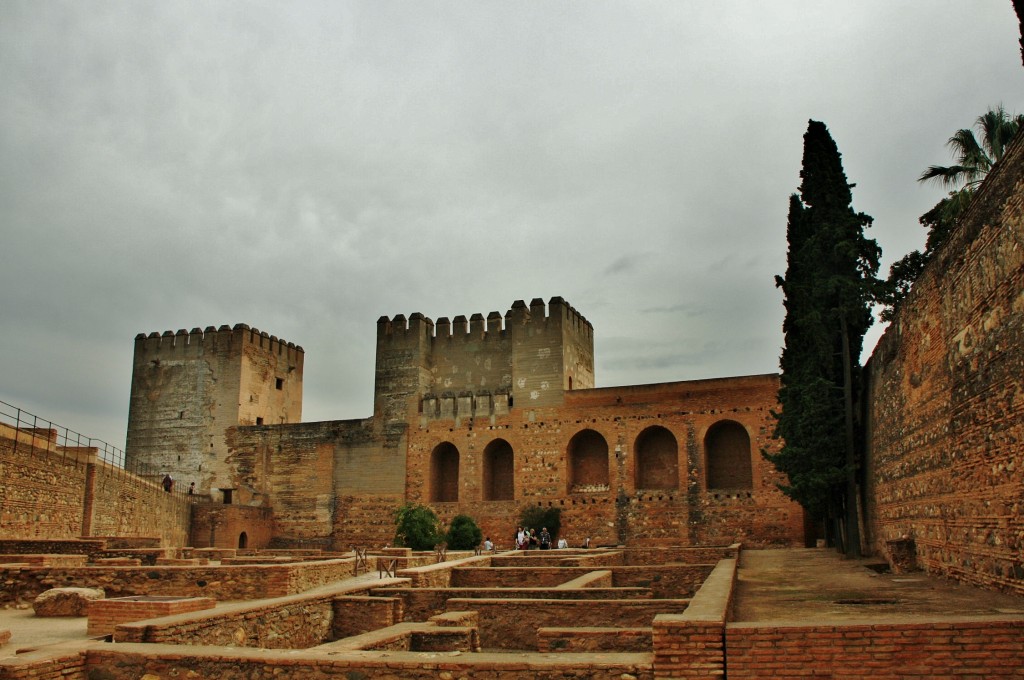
x,y
946,413
983,649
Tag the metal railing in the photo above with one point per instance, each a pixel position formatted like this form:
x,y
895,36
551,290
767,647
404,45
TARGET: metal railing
x,y
33,432
28,429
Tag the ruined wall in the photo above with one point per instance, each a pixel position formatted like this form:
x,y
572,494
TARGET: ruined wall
x,y
945,405
189,387
612,509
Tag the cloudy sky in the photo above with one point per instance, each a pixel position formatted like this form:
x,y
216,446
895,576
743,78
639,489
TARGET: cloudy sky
x,y
308,167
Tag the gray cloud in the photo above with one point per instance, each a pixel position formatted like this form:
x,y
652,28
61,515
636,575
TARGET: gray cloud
x,y
306,168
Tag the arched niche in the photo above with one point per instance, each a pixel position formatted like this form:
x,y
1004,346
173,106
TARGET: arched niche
x,y
588,462
727,452
499,471
444,473
657,459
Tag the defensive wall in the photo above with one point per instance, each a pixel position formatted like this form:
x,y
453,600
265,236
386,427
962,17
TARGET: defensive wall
x,y
945,464
189,387
51,492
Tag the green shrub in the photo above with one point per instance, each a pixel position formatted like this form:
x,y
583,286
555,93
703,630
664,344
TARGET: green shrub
x,y
416,527
537,517
463,534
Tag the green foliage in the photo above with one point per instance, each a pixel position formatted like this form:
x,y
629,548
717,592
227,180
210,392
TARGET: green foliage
x,y
974,159
416,527
463,533
537,517
829,287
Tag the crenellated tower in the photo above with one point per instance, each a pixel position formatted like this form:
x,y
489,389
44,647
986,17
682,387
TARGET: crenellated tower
x,y
189,387
481,366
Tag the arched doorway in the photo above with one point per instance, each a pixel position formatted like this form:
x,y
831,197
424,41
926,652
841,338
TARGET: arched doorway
x,y
243,540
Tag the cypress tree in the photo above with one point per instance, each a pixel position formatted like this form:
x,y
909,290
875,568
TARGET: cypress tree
x,y
829,287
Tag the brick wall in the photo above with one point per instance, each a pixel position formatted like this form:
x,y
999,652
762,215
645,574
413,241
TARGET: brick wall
x,y
978,648
946,413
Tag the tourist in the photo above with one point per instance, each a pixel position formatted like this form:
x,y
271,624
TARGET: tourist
x,y
562,544
521,539
545,539
191,489
531,538
488,546
168,483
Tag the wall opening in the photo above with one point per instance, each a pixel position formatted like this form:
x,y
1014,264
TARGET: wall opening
x,y
444,473
657,459
227,495
243,540
727,453
499,471
279,383
588,462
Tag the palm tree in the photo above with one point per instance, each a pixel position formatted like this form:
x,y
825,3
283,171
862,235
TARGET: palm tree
x,y
974,158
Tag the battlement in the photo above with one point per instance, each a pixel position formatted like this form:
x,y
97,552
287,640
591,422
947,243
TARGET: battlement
x,y
477,327
199,341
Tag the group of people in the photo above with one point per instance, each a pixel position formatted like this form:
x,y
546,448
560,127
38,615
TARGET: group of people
x,y
529,539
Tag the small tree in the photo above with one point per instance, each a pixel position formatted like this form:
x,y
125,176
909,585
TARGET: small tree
x,y
537,517
416,527
463,533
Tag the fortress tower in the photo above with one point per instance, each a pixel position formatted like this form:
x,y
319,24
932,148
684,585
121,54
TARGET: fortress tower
x,y
481,367
189,387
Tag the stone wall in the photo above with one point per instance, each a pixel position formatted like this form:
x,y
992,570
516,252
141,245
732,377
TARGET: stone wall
x,y
43,492
946,409
122,504
52,494
24,584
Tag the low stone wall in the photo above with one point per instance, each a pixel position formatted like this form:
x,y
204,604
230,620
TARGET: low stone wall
x,y
46,560
355,615
122,662
681,554
105,615
665,582
692,644
60,664
986,648
439,575
513,624
422,603
601,640
23,584
69,546
292,622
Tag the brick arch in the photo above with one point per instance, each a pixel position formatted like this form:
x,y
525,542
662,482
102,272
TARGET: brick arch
x,y
657,459
499,471
588,460
444,473
727,453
